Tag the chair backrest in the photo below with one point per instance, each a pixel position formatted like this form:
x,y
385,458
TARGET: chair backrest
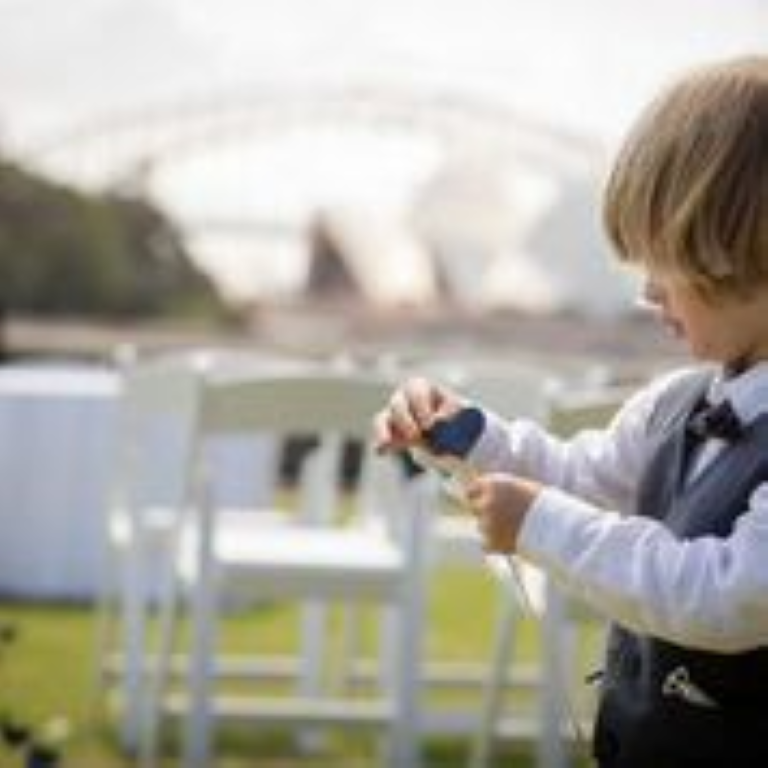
x,y
335,408
156,418
511,389
301,401
163,402
572,411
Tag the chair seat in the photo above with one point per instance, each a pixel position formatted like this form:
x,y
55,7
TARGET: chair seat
x,y
281,561
158,523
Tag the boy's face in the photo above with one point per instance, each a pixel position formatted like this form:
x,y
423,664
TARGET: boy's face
x,y
733,332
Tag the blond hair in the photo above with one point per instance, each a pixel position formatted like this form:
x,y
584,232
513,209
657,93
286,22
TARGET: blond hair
x,y
688,193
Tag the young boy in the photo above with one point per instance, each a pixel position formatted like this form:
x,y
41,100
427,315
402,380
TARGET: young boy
x,y
682,571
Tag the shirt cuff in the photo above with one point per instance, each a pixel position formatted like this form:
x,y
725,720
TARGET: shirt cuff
x,y
554,527
486,450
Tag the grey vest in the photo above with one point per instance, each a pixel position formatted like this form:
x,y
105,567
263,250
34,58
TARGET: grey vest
x,y
641,723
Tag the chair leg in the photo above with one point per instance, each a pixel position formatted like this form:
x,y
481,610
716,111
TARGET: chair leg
x,y
198,737
404,747
495,682
152,709
134,638
552,752
314,634
401,749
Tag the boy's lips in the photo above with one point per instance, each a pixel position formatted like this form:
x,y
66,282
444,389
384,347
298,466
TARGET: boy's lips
x,y
675,327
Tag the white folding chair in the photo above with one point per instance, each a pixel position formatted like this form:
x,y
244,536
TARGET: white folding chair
x,y
560,718
373,556
156,422
513,390
155,416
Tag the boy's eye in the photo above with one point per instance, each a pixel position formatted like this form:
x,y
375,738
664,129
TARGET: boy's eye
x,y
653,293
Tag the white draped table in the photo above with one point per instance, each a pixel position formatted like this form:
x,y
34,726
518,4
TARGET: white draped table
x,y
56,443
58,426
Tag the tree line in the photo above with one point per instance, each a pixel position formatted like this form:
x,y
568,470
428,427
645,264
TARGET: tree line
x,y
64,252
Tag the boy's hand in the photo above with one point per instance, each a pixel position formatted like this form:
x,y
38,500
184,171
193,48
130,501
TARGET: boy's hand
x,y
500,503
413,408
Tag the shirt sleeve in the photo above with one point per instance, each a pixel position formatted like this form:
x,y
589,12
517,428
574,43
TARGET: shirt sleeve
x,y
709,593
602,466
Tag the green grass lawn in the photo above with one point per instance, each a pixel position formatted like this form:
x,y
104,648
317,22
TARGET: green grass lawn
x,y
49,672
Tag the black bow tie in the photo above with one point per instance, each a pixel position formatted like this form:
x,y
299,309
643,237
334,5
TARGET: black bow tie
x,y
716,421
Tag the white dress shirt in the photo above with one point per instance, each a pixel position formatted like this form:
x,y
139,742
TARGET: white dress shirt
x,y
709,593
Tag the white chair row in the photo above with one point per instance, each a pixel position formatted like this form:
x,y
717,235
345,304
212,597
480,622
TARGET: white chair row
x,y
369,553
185,555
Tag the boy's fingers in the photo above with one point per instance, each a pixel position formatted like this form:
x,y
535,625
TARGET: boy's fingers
x,y
411,411
424,400
386,434
382,434
474,492
403,418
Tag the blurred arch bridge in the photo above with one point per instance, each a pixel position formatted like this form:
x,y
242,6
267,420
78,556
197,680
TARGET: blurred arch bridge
x,y
128,151
125,148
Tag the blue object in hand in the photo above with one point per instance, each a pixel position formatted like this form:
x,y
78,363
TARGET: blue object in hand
x,y
457,435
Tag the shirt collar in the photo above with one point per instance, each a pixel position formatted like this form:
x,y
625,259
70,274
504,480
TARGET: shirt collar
x,y
747,392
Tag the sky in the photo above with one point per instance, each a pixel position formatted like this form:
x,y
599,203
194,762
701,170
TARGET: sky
x,y
587,63
585,66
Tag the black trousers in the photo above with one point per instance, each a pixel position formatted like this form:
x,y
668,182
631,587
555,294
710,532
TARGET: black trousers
x,y
676,734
